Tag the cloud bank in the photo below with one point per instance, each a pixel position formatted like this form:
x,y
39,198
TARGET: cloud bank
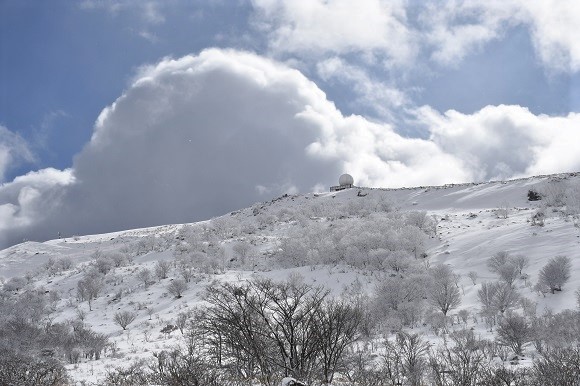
x,y
396,33
205,134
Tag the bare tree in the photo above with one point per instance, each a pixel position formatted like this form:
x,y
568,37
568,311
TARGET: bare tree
x,y
558,367
145,276
472,276
162,269
272,329
460,363
124,318
177,287
408,359
556,273
578,297
444,293
338,325
514,331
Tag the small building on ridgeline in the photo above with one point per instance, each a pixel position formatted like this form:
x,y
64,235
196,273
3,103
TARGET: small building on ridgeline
x,y
344,182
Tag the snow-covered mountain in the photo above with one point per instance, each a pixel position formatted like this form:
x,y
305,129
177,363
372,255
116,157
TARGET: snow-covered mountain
x,y
347,241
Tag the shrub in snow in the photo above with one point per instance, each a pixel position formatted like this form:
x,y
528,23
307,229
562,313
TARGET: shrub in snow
x,y
538,217
162,269
242,249
89,287
24,370
146,277
177,287
15,284
533,195
556,273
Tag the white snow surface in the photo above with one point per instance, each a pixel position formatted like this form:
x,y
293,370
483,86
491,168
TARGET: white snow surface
x,y
469,232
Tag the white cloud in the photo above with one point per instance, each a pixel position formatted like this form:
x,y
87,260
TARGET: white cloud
x,y
149,10
317,27
13,149
452,30
554,27
446,32
29,200
456,28
499,142
381,97
202,135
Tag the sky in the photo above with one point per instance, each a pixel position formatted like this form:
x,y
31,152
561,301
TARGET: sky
x,y
118,114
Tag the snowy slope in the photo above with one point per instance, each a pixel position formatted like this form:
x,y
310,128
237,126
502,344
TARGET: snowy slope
x,y
469,230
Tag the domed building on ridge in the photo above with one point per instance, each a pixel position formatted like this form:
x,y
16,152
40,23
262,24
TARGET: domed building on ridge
x,y
345,181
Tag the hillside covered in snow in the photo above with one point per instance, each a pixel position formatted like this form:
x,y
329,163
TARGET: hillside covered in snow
x,y
327,288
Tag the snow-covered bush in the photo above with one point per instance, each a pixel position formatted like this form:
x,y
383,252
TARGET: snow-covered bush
x,y
555,273
177,287
145,276
162,269
89,287
15,284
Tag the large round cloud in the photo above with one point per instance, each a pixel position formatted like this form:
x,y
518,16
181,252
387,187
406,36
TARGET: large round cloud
x,y
202,135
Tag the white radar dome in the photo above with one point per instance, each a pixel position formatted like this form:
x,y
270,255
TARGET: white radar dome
x,y
345,179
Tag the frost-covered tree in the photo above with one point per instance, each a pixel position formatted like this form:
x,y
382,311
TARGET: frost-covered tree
x,y
521,262
444,293
177,287
497,297
15,284
89,287
509,273
162,269
498,260
242,249
186,265
556,273
145,277
506,297
486,295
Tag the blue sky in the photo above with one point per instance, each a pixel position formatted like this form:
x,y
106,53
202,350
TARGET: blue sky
x,y
396,92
